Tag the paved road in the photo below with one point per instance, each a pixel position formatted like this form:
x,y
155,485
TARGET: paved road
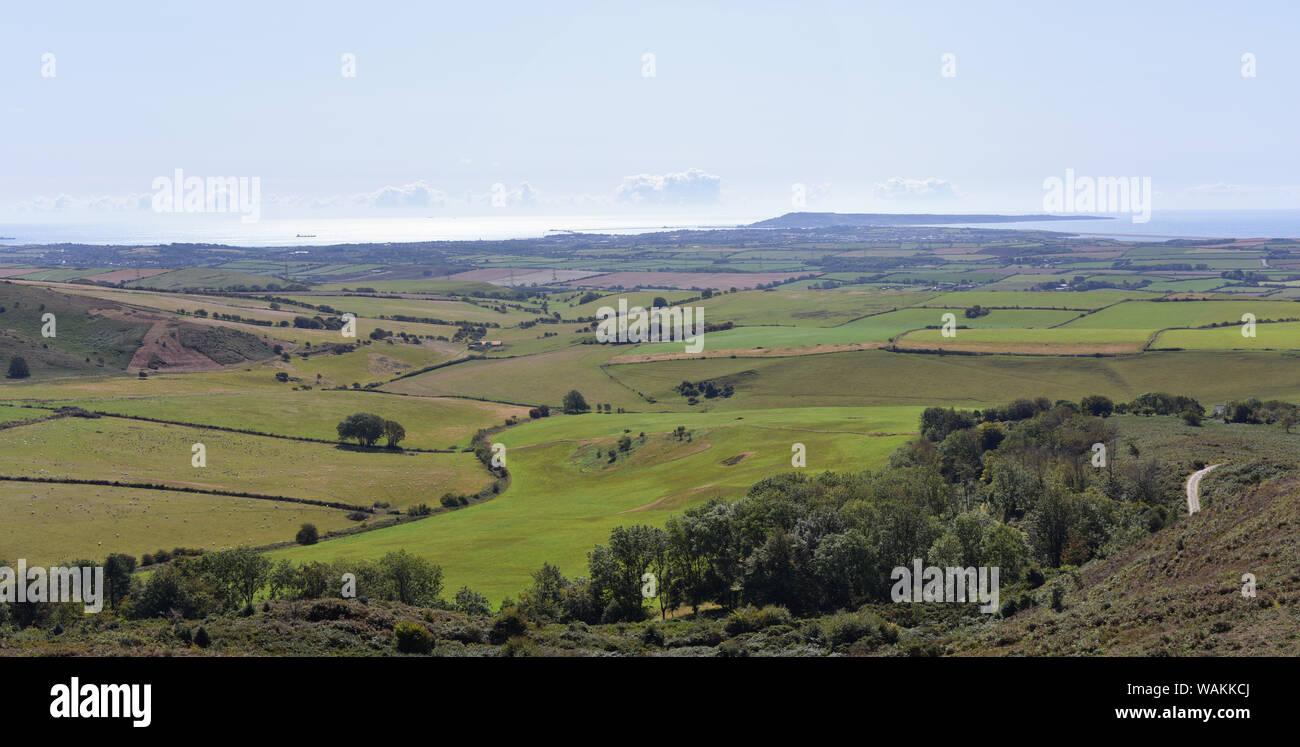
x,y
1194,488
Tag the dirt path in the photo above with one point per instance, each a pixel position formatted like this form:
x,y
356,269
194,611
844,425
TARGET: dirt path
x,y
1194,488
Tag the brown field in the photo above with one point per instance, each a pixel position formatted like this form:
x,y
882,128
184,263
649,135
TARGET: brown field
x,y
8,272
686,280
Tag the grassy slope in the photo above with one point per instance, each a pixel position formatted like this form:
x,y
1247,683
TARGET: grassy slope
x,y
53,523
107,343
430,423
563,500
877,377
116,449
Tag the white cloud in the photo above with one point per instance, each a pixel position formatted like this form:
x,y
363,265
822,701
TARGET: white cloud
x,y
65,203
416,194
902,188
689,187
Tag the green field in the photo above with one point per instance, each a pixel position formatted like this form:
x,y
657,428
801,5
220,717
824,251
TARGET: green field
x,y
1037,299
563,500
50,523
1280,336
878,377
134,451
541,379
430,423
878,328
1153,315
1062,340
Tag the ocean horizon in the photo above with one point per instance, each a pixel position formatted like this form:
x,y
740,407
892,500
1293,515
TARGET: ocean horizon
x,y
229,230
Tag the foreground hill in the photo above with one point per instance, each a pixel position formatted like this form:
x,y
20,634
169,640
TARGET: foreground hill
x,y
1178,591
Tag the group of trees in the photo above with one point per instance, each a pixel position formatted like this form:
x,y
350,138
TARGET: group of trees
x,y
1019,492
708,389
194,586
1259,412
367,428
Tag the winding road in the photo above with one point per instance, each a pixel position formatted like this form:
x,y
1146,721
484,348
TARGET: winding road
x,y
1194,488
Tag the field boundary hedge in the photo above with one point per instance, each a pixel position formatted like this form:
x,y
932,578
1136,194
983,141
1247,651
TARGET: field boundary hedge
x,y
186,489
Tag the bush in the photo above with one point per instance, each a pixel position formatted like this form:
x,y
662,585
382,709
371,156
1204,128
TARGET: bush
x,y
413,638
842,630
509,623
201,637
751,619
518,646
18,368
653,636
1034,577
307,535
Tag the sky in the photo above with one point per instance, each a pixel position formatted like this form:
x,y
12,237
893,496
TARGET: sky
x,y
707,110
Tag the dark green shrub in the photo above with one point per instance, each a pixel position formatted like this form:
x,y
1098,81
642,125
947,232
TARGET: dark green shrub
x,y
307,535
751,619
507,625
413,638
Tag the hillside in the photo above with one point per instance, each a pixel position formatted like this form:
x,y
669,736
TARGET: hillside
x,y
1178,591
90,335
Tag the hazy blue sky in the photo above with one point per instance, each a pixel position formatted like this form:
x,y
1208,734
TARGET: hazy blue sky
x,y
550,100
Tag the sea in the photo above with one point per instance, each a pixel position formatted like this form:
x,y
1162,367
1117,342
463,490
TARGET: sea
x,y
230,230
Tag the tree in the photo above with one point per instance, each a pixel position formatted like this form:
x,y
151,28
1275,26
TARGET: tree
x,y
659,302
938,422
241,572
470,602
1096,404
394,432
281,579
1051,521
117,577
575,403
365,427
18,368
543,602
616,570
1004,548
307,535
1289,419
410,579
